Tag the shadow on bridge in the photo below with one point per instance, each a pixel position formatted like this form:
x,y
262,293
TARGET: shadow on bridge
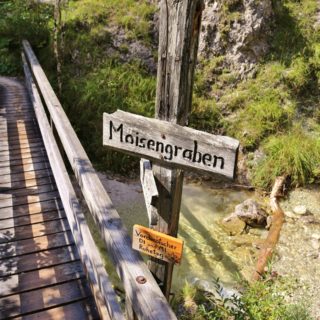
x,y
39,264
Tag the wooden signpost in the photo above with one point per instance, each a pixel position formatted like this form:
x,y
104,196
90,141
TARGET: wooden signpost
x,y
166,141
170,144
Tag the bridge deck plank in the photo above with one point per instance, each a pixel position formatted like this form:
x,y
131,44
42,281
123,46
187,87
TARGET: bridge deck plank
x,y
38,244
41,276
37,279
31,219
44,298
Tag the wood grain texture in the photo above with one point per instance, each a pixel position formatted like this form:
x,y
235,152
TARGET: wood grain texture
x,y
37,244
147,299
80,310
272,239
170,144
34,230
44,298
18,162
25,210
150,191
89,254
36,279
37,251
35,261
31,219
179,30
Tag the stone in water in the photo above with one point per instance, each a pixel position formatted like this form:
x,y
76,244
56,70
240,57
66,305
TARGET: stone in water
x,y
300,210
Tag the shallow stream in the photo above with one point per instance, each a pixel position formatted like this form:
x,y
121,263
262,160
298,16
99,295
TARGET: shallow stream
x,y
209,252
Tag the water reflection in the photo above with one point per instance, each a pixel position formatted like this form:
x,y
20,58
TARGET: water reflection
x,y
208,251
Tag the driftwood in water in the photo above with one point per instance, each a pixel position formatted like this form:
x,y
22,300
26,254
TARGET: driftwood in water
x,y
274,231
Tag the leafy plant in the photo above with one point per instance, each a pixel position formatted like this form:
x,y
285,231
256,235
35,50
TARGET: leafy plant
x,y
133,16
263,300
261,119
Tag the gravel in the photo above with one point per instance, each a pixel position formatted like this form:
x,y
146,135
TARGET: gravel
x,y
298,250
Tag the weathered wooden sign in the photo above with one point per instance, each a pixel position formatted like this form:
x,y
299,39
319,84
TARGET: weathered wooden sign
x,y
170,144
157,244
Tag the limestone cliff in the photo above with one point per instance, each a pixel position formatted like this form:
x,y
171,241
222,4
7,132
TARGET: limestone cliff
x,y
238,30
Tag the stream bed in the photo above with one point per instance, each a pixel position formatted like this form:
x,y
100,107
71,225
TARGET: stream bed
x,y
211,252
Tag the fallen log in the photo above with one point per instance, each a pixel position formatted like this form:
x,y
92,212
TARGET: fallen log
x,y
271,241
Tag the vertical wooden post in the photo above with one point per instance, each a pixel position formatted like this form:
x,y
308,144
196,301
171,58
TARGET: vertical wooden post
x,y
180,22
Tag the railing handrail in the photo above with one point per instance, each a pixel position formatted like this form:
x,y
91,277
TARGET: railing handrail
x,y
100,283
146,299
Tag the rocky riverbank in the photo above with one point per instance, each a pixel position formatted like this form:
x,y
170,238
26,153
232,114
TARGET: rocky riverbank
x,y
298,251
212,251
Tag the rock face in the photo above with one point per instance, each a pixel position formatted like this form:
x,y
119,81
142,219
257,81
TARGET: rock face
x,y
251,213
131,49
237,29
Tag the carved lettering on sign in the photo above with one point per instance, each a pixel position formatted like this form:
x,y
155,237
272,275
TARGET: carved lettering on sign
x,y
170,144
168,151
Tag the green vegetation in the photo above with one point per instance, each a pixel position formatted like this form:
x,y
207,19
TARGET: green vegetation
x,y
263,300
21,19
112,86
96,15
295,154
276,104
273,102
96,76
263,106
276,109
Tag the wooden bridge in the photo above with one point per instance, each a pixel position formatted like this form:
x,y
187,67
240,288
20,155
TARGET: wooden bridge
x,y
50,267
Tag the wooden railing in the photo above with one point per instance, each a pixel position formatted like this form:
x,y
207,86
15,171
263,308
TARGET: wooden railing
x,y
144,296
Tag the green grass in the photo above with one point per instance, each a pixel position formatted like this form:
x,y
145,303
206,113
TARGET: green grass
x,y
114,85
21,20
269,108
260,119
284,90
96,79
133,16
295,154
260,106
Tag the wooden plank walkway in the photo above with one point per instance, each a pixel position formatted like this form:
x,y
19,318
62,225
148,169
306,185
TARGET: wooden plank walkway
x,y
41,276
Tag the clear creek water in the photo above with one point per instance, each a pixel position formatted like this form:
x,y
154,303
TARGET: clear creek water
x,y
209,252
